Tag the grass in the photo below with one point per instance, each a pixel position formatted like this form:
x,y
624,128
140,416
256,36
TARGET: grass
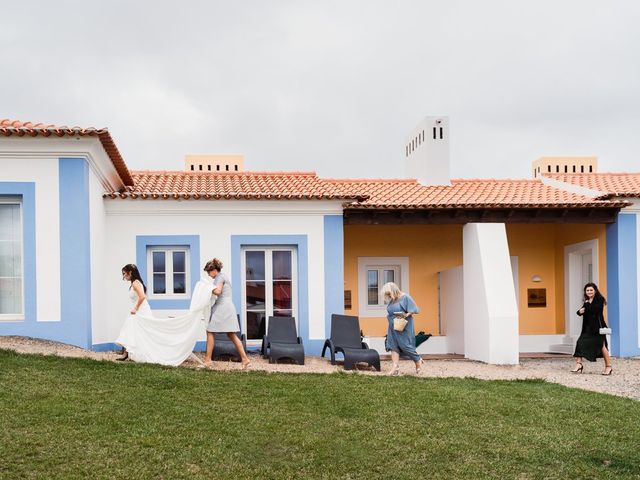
x,y
70,418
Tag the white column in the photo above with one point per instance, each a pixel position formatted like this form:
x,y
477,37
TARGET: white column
x,y
491,331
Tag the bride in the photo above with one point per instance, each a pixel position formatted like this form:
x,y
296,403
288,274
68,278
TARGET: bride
x,y
167,341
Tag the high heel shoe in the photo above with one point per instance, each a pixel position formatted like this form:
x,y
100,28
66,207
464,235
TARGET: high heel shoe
x,y
607,370
578,368
123,357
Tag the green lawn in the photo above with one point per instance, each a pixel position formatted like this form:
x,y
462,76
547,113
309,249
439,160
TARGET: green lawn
x,y
64,418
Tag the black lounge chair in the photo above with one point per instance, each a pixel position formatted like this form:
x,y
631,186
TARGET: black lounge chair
x,y
346,339
282,341
224,347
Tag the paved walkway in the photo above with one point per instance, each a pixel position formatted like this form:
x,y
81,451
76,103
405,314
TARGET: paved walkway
x,y
625,380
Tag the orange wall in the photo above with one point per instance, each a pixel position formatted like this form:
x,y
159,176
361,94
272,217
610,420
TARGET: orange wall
x,y
434,248
430,248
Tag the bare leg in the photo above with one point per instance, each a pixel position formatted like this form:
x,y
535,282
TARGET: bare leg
x,y
419,365
238,344
607,360
210,344
395,359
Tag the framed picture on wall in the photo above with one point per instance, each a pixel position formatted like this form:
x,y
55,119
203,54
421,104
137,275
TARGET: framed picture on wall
x,y
536,297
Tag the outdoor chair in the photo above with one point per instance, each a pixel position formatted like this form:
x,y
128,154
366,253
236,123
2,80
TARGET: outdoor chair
x,y
224,347
282,341
346,339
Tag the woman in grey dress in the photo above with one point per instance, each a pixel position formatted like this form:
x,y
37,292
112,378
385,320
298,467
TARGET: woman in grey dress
x,y
400,304
224,318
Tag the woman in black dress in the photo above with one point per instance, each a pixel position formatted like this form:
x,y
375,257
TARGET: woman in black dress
x,y
591,345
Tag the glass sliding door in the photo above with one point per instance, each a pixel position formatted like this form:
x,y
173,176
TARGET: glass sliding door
x,y
268,287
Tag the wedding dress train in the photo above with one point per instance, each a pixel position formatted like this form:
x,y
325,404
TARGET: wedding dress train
x,y
166,341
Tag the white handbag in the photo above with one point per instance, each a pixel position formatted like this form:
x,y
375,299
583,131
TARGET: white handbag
x,y
604,331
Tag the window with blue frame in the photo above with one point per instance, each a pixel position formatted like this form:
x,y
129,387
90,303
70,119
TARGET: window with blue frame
x,y
11,259
168,273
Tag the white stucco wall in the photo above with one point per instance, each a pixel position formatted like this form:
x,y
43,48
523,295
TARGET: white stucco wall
x,y
99,324
490,307
215,221
452,306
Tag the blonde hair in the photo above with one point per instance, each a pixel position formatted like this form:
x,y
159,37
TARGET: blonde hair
x,y
391,291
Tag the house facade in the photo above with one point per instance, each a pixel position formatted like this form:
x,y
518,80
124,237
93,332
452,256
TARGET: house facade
x,y
497,267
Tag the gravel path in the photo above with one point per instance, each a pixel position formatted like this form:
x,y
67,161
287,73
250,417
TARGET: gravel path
x,y
624,382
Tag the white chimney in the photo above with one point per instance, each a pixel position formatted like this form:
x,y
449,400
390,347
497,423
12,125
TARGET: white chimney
x,y
426,151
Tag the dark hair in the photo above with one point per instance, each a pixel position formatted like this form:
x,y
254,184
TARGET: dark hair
x,y
132,270
597,295
214,264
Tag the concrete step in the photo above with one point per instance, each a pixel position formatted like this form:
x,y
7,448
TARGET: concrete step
x,y
567,348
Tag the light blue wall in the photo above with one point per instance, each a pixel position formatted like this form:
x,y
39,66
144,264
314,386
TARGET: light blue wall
x,y
333,269
190,241
74,326
622,288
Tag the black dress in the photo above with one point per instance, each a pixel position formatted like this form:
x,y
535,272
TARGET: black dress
x,y
590,342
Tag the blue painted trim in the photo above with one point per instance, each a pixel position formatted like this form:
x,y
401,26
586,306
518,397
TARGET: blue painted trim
x,y
75,251
622,288
190,241
298,241
26,193
333,269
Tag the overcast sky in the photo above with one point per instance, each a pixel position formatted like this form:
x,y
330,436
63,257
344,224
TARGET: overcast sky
x,y
332,86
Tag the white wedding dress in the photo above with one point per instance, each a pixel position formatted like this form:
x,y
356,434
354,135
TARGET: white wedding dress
x,y
167,341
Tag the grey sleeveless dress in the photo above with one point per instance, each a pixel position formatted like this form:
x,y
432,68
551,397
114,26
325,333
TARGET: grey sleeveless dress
x,y
224,317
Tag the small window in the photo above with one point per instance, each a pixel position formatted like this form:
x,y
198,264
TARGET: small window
x,y
235,167
217,168
377,276
168,275
11,260
565,169
209,167
199,167
226,167
406,151
373,273
549,168
590,168
581,168
441,130
434,133
557,168
192,167
574,169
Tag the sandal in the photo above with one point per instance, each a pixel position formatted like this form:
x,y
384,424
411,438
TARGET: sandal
x,y
394,372
607,372
578,368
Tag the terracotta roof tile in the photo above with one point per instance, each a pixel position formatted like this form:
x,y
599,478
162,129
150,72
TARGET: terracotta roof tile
x,y
16,127
363,193
611,184
244,185
481,193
